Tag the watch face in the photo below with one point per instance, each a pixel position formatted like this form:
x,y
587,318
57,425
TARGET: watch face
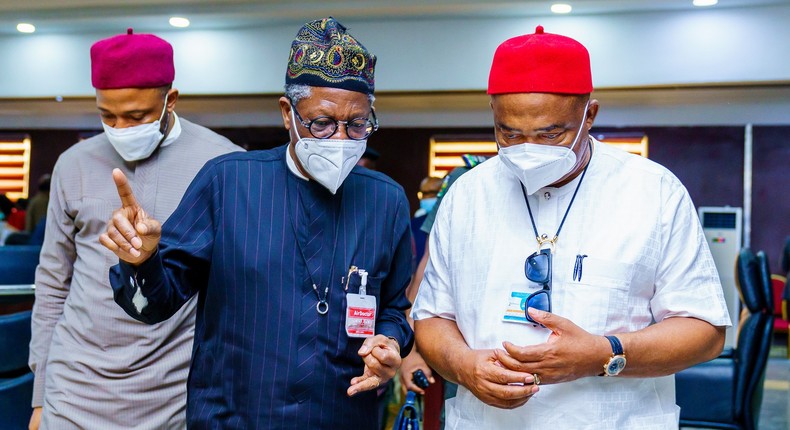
x,y
616,365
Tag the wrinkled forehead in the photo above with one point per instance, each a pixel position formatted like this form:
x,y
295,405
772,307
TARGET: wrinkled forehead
x,y
538,108
329,99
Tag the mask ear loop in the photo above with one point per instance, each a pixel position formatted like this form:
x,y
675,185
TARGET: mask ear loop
x,y
293,124
581,126
167,121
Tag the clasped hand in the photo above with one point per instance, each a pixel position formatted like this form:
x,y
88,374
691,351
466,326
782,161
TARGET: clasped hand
x,y
133,236
569,353
131,233
504,378
382,359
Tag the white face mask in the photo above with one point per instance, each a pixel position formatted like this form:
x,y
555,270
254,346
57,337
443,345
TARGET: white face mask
x,y
138,142
537,166
328,161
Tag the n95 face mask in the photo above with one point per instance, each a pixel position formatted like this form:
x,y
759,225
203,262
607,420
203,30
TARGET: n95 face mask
x,y
537,166
328,161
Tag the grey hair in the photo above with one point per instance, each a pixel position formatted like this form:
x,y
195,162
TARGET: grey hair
x,y
297,92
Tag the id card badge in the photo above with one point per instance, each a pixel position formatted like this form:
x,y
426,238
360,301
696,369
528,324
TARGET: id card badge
x,y
360,315
516,308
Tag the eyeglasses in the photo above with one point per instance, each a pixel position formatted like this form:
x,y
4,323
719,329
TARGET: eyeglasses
x,y
324,127
537,268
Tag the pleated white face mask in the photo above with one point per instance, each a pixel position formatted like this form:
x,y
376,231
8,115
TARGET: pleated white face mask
x,y
138,142
328,161
537,166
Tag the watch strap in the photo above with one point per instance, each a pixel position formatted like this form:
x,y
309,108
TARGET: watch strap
x,y
617,347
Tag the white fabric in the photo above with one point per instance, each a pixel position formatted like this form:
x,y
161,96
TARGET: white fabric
x,y
538,166
139,142
289,160
647,260
175,132
328,161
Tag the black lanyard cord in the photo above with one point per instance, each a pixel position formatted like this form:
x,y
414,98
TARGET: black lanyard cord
x,y
544,239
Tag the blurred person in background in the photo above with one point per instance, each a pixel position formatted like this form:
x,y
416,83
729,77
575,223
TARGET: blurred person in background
x,y
37,206
369,158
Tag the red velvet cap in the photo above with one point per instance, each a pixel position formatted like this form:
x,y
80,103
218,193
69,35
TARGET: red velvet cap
x,y
540,63
132,61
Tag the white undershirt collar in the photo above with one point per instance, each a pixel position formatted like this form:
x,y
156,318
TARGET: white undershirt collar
x,y
174,132
292,164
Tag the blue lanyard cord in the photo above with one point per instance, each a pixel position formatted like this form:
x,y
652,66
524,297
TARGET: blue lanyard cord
x,y
542,240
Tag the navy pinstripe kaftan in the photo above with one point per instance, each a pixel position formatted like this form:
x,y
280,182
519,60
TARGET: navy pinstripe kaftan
x,y
244,238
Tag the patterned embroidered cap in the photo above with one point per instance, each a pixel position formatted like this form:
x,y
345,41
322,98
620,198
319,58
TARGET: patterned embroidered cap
x,y
324,55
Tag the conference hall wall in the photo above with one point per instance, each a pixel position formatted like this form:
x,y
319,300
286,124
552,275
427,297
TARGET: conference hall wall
x,y
708,160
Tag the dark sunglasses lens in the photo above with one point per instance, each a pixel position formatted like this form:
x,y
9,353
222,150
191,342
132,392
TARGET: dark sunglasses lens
x,y
539,300
537,268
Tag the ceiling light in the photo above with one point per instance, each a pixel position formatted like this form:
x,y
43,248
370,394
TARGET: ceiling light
x,y
561,8
180,22
702,3
24,27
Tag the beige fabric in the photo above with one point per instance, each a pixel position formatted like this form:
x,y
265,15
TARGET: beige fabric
x,y
95,366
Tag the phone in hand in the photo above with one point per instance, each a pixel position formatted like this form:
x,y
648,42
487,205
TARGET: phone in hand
x,y
419,379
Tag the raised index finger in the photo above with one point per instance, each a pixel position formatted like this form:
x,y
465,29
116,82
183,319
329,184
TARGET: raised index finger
x,y
124,189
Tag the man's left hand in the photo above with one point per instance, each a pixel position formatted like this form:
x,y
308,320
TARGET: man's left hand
x,y
569,353
382,359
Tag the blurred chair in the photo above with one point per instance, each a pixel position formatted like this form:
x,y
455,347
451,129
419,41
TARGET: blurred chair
x,y
726,393
17,274
16,380
17,238
18,264
781,323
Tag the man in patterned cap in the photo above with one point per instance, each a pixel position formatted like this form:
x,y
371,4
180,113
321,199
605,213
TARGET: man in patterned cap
x,y
554,261
299,259
96,368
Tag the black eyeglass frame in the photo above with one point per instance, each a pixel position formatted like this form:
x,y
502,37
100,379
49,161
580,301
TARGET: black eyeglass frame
x,y
374,125
545,281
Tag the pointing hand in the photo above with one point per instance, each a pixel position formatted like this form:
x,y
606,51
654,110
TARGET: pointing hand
x,y
131,233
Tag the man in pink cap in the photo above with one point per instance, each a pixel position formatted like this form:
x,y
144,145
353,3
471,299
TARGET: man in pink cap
x,y
554,261
95,367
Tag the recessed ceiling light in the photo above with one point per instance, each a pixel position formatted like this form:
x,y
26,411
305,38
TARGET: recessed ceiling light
x,y
561,8
178,21
24,27
702,3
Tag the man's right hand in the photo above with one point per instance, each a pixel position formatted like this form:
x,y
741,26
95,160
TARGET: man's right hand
x,y
410,364
492,383
35,419
131,234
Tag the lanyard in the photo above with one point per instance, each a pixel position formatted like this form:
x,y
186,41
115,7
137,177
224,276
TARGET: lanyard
x,y
322,307
543,238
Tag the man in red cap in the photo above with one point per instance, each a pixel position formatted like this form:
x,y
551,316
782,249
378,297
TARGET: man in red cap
x,y
95,367
554,261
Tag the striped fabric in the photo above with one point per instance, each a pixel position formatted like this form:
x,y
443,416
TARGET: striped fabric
x,y
263,356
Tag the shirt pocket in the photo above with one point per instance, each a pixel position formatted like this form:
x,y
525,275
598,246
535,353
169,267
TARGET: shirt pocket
x,y
348,347
599,297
